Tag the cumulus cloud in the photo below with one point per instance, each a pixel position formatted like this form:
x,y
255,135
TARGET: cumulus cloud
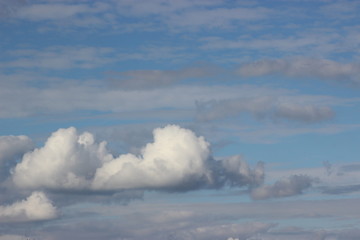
x,y
291,186
176,160
289,108
303,67
176,157
34,208
67,161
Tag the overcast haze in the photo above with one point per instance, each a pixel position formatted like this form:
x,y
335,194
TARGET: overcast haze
x,y
180,120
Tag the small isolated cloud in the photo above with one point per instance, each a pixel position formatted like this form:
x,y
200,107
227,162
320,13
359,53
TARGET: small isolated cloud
x,y
304,67
34,208
291,186
276,108
176,160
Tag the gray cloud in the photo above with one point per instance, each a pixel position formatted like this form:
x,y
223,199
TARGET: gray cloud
x,y
145,79
194,15
34,208
304,67
291,186
290,108
11,149
59,58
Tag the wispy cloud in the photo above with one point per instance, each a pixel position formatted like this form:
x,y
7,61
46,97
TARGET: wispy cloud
x,y
59,58
304,68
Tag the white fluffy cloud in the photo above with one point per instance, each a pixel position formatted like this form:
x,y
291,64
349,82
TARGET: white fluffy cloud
x,y
67,161
176,160
176,157
34,208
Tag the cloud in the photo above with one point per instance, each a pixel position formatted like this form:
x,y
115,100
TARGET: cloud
x,y
9,7
145,79
273,107
59,58
214,232
12,237
303,67
176,157
67,161
291,186
193,15
176,160
11,149
34,208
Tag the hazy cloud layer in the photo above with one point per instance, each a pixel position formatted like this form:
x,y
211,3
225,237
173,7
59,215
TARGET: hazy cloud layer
x,y
266,107
145,79
34,208
176,160
304,67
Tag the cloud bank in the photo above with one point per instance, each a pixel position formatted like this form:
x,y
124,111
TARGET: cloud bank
x,y
176,160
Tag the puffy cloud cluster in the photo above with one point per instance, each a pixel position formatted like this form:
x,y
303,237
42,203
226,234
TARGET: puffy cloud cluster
x,y
291,186
34,208
176,160
66,161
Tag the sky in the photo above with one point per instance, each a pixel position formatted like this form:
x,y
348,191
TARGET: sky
x,y
180,119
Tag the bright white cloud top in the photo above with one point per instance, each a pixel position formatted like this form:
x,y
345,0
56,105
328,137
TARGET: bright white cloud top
x,y
179,119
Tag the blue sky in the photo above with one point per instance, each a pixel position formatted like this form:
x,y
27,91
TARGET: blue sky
x,y
220,120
